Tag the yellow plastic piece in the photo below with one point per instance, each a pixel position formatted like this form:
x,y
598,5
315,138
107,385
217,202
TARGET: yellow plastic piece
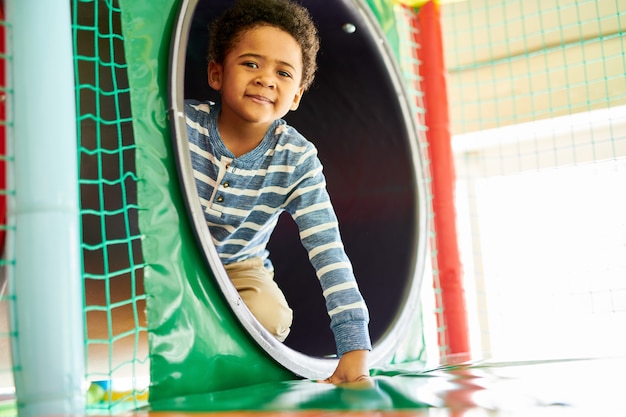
x,y
415,3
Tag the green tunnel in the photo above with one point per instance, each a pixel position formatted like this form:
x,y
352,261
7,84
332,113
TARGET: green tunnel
x,y
202,339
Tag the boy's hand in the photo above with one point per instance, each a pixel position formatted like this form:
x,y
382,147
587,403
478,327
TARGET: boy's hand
x,y
352,367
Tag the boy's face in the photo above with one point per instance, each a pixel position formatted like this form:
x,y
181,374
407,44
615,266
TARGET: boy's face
x,y
260,77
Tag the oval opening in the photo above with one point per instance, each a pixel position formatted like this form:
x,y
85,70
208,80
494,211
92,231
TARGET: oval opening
x,y
357,115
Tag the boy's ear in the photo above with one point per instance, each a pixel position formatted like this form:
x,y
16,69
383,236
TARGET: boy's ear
x,y
214,72
296,99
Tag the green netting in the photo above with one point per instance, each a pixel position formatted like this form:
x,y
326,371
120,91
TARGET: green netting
x,y
116,336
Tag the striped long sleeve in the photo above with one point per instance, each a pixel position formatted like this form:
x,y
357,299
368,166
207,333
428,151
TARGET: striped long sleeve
x,y
243,197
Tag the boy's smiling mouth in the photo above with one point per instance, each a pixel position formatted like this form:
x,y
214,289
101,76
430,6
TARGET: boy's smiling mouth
x,y
259,98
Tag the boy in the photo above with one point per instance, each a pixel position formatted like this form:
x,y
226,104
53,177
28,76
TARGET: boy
x,y
250,166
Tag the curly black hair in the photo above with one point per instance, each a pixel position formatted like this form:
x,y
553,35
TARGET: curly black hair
x,y
224,33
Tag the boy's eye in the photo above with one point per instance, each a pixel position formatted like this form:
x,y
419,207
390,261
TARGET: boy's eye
x,y
251,64
284,74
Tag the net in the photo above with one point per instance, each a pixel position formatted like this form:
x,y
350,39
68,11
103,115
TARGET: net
x,y
537,94
116,336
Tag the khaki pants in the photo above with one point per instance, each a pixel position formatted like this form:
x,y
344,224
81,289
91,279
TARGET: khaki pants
x,y
257,288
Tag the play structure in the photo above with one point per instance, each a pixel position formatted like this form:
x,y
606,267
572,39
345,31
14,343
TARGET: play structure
x,y
116,301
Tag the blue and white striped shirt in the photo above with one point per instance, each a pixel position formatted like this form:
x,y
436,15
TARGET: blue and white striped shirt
x,y
243,197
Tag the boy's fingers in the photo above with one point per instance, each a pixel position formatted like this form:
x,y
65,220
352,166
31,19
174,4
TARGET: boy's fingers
x,y
360,381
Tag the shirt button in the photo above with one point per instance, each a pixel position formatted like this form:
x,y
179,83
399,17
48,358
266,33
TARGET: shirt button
x,y
219,198
226,184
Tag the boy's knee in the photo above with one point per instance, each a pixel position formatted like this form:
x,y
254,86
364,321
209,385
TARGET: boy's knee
x,y
262,296
276,317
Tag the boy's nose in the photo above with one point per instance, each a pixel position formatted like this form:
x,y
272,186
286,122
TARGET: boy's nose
x,y
266,80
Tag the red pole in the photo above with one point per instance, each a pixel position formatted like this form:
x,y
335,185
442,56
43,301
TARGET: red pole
x,y
452,323
3,165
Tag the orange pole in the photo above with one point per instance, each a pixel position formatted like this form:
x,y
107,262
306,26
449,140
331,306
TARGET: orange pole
x,y
453,325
